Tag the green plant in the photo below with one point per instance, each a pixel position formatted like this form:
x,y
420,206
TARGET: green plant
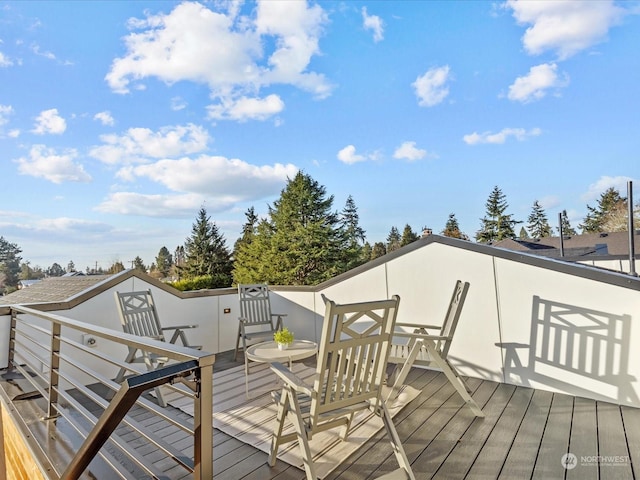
x,y
283,336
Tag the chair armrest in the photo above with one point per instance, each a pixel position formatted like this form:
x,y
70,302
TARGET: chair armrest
x,y
417,325
180,327
291,379
279,322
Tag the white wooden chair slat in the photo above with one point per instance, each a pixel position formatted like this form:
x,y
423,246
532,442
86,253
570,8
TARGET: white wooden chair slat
x,y
349,378
430,350
139,316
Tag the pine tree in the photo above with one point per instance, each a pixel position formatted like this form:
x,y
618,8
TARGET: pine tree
x,y
538,223
523,234
164,261
496,225
609,202
206,252
354,235
567,229
138,264
9,265
379,249
452,228
393,240
248,230
408,236
300,243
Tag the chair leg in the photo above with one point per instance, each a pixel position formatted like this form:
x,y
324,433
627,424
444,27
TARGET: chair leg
x,y
235,353
398,449
303,440
130,357
404,370
283,408
454,378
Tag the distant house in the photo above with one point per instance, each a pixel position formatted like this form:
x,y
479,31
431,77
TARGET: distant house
x,y
26,283
607,250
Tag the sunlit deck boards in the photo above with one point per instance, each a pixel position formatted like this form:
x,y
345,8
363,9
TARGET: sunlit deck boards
x,y
524,435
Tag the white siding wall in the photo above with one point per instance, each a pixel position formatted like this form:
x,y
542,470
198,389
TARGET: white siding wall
x,y
501,331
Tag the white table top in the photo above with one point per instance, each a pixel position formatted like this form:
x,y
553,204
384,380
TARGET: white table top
x,y
268,352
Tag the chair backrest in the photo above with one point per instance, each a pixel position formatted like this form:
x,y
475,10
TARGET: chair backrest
x,y
353,354
255,306
138,314
453,315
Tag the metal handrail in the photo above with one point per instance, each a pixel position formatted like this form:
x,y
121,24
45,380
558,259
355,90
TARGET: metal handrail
x,y
43,351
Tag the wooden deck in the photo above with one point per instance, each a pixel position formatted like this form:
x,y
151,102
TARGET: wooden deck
x,y
525,434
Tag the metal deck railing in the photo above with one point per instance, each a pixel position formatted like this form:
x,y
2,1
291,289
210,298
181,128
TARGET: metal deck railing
x,y
48,354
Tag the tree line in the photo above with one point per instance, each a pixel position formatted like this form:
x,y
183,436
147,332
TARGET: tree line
x,y
304,241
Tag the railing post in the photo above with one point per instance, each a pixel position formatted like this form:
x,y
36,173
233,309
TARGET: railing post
x,y
54,370
12,337
203,421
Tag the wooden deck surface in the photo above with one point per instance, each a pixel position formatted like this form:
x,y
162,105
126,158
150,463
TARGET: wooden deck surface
x,y
524,435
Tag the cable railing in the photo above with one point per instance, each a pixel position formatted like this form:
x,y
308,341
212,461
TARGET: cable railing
x,y
50,357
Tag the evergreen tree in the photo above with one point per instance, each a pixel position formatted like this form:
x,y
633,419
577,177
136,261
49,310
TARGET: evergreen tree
x,y
538,223
496,225
301,242
379,249
452,228
567,229
354,235
55,270
523,234
609,202
117,267
248,230
206,252
408,236
9,265
393,240
138,264
164,261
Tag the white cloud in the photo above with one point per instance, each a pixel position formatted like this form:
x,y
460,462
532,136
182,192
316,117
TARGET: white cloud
x,y
409,151
603,183
431,88
373,23
5,61
105,118
35,48
235,56
227,180
549,202
535,84
242,109
14,133
5,112
130,203
49,122
348,155
564,26
501,137
178,103
138,145
56,167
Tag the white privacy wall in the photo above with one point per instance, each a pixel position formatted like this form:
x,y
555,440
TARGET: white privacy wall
x,y
592,356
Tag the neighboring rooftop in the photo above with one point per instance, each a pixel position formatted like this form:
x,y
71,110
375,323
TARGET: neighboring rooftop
x,y
587,245
53,289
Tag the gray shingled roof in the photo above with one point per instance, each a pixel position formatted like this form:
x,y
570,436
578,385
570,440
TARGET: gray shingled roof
x,y
53,289
617,243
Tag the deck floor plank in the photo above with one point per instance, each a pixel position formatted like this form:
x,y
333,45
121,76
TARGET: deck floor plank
x,y
555,439
494,453
460,461
584,439
521,458
612,444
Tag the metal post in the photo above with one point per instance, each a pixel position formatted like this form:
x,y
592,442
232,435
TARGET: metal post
x,y
632,253
561,235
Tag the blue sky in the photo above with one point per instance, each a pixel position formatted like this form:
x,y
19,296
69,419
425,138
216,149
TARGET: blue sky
x,y
119,120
